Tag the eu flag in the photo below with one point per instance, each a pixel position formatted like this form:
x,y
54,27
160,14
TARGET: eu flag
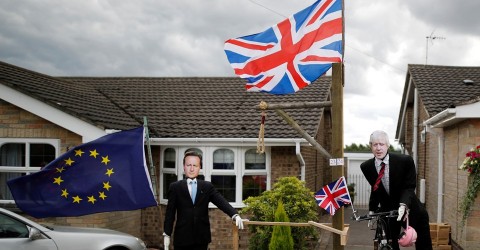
x,y
107,174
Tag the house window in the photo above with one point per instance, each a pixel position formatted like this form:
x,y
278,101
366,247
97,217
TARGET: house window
x,y
169,170
223,173
236,172
255,178
20,157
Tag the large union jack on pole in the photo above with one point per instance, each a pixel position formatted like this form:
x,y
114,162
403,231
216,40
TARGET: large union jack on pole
x,y
293,53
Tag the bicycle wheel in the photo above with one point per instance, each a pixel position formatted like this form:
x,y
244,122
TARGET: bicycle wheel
x,y
386,247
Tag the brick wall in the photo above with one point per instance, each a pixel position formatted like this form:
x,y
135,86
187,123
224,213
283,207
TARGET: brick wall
x,y
427,164
427,157
152,225
408,130
18,123
317,170
459,139
284,163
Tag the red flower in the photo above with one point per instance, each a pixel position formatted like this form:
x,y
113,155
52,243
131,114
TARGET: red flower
x,y
472,155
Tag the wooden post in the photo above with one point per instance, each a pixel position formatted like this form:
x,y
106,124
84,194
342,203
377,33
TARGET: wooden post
x,y
235,236
324,226
337,143
304,134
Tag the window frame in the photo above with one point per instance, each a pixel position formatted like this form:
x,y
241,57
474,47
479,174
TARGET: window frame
x,y
207,168
27,169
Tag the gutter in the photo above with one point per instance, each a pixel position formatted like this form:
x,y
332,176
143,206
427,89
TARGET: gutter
x,y
440,141
227,141
436,122
440,117
301,160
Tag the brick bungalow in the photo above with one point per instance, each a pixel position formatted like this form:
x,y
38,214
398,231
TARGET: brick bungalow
x,y
41,116
439,122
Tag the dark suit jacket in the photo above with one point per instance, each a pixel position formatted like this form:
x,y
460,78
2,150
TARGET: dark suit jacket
x,y
403,181
193,225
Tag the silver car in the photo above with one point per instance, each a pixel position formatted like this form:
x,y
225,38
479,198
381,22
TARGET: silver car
x,y
20,233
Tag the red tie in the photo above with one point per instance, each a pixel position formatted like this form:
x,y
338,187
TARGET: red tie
x,y
380,175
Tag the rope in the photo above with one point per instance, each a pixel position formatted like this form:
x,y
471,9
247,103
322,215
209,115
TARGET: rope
x,y
261,134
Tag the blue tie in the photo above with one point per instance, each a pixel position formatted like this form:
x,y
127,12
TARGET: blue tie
x,y
194,190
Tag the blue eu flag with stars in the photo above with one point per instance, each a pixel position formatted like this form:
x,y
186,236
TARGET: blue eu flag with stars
x,y
107,174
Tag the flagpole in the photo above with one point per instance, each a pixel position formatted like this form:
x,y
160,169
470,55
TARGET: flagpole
x,y
150,159
354,211
337,131
337,143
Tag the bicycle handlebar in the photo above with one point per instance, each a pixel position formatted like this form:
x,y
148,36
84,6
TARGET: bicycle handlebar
x,y
393,213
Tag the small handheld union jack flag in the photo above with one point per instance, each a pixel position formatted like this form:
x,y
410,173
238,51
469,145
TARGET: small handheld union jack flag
x,y
333,196
291,54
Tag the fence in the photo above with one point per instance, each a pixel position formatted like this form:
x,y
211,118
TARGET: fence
x,y
362,190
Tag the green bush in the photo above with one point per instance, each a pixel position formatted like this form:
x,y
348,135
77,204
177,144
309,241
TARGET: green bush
x,y
299,204
282,235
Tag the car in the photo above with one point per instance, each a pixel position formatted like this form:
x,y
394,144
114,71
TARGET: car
x,y
20,233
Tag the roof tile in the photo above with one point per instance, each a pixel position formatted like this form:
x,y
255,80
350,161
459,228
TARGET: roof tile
x,y
176,107
441,87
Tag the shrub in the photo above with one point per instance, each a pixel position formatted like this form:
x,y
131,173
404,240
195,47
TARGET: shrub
x,y
282,235
299,204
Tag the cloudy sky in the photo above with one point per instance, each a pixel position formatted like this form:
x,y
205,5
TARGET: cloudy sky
x,y
185,38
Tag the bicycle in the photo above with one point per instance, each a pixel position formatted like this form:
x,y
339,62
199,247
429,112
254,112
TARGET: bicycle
x,y
382,228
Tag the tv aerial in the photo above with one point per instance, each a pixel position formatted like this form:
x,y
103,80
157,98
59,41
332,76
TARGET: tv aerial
x,y
430,38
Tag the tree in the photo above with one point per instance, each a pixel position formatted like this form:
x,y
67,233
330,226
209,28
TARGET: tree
x,y
282,235
357,148
365,148
299,205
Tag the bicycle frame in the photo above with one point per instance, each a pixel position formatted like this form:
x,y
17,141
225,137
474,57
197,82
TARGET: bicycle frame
x,y
382,229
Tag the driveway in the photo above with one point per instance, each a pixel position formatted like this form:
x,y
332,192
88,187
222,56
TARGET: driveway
x,y
360,237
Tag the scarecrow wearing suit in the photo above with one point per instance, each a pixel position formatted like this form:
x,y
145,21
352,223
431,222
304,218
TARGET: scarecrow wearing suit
x,y
393,179
188,200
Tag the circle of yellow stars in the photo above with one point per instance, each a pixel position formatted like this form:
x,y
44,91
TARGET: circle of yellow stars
x,y
89,198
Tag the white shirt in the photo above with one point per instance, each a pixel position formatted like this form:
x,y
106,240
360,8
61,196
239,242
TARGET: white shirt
x,y
189,181
386,176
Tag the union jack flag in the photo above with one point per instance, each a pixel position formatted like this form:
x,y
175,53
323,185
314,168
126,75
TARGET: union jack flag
x,y
291,54
333,196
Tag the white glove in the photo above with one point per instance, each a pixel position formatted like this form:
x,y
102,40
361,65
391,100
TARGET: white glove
x,y
370,222
238,221
401,211
166,241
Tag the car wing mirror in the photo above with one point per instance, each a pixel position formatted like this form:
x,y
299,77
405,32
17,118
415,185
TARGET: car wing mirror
x,y
34,234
